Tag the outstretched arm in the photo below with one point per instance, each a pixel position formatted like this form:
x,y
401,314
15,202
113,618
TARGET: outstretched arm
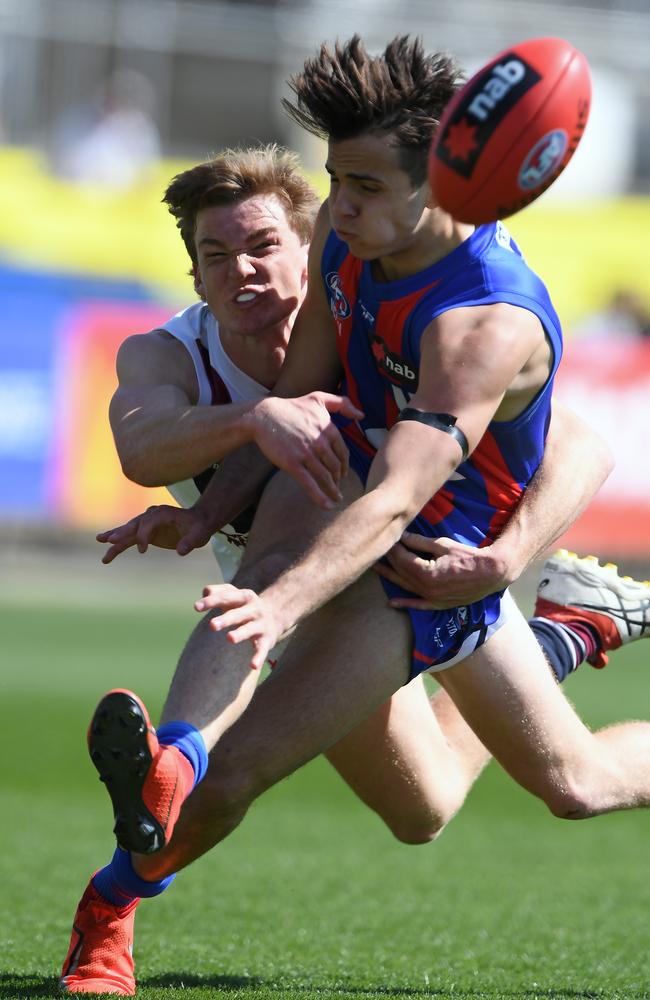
x,y
446,573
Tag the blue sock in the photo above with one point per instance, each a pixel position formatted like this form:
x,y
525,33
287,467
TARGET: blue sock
x,y
558,647
189,741
120,884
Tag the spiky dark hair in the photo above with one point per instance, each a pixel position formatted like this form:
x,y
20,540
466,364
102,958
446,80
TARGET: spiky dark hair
x,y
344,93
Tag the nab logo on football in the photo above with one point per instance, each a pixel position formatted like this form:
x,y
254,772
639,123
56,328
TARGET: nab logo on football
x,y
504,77
338,303
486,103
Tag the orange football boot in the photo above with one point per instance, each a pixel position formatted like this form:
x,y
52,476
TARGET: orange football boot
x,y
100,956
147,782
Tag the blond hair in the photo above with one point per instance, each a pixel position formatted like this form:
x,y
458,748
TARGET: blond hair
x,y
236,174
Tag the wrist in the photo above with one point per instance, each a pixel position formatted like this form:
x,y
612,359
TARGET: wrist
x,y
508,563
280,604
251,419
206,509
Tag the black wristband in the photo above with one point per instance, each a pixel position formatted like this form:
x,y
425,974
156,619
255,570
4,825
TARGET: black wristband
x,y
441,421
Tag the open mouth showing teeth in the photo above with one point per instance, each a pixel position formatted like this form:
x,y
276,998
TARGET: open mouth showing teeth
x,y
246,297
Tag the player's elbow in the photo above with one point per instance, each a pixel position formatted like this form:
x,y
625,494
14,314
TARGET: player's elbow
x,y
392,510
138,469
397,506
606,459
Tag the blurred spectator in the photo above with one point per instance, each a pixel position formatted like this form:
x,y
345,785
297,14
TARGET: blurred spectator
x,y
111,139
626,317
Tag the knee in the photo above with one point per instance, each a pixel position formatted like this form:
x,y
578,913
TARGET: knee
x,y
415,834
567,797
421,827
266,568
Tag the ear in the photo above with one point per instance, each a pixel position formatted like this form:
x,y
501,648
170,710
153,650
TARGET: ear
x,y
430,201
198,282
305,265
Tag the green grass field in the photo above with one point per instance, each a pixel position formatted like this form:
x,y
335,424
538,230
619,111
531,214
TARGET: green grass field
x,y
310,897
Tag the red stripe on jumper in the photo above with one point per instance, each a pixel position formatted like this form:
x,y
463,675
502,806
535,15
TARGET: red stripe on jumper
x,y
218,387
392,317
391,320
438,507
503,492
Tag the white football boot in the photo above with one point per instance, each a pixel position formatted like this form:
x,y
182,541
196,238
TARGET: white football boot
x,y
581,590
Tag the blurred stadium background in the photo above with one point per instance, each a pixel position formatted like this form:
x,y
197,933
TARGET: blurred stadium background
x,y
102,101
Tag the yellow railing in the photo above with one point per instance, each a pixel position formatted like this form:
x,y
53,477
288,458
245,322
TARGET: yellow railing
x,y
583,251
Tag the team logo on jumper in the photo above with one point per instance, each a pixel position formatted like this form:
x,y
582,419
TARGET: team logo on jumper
x,y
457,621
493,94
397,368
461,617
543,159
338,303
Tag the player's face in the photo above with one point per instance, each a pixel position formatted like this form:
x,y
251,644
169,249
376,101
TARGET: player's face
x,y
252,266
373,204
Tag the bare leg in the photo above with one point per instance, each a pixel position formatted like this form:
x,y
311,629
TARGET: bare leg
x,y
399,761
412,762
504,691
423,780
343,663
516,708
412,765
213,682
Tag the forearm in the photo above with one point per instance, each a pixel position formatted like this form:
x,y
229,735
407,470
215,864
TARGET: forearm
x,y
162,446
576,463
235,486
340,555
401,480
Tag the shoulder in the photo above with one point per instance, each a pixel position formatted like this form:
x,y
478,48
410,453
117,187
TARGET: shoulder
x,y
317,253
483,335
322,230
156,345
156,357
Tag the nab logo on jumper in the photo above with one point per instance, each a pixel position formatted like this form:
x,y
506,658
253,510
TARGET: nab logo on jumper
x,y
397,368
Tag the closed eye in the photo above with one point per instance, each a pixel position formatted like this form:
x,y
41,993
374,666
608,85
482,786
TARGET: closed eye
x,y
261,247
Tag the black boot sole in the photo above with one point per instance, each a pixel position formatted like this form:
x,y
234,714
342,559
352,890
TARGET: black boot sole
x,y
117,742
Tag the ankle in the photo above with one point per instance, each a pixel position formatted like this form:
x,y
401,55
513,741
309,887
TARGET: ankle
x,y
190,744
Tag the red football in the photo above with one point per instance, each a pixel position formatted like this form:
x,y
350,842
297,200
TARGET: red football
x,y
510,130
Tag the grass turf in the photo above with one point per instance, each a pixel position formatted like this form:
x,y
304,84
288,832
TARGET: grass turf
x,y
310,897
